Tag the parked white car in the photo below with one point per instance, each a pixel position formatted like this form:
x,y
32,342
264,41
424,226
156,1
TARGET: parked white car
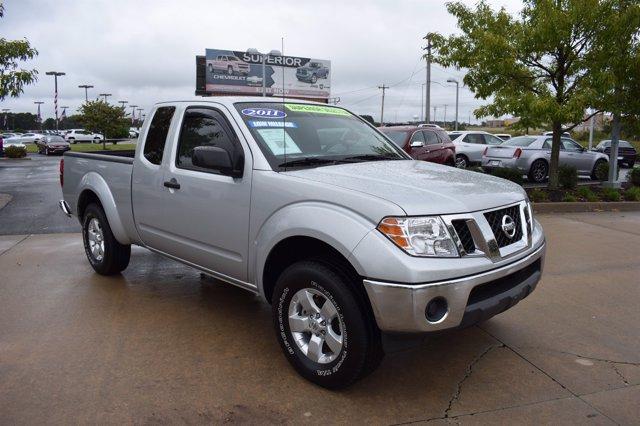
x,y
27,137
471,145
82,135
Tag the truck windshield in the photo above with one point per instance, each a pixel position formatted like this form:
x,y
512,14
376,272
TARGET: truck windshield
x,y
306,135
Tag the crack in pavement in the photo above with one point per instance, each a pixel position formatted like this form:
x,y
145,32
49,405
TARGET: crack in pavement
x,y
467,374
619,374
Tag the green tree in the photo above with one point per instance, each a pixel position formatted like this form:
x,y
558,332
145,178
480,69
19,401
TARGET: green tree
x,y
12,78
618,69
110,120
535,66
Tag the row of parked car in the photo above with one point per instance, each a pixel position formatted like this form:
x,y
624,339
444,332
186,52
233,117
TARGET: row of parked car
x,y
528,154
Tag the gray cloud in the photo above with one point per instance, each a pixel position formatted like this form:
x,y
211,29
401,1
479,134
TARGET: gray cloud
x,y
144,51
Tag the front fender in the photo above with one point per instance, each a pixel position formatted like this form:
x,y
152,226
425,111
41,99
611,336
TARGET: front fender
x,y
335,225
92,181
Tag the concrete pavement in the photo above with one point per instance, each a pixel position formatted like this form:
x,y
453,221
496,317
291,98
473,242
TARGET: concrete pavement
x,y
161,345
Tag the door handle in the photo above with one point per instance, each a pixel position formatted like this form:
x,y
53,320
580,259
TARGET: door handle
x,y
173,184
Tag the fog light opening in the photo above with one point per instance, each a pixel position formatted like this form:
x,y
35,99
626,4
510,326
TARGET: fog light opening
x,y
436,309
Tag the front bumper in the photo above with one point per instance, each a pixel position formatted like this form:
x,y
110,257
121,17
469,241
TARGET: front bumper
x,y
470,299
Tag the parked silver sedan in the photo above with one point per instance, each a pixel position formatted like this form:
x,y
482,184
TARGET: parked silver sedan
x,y
471,145
531,155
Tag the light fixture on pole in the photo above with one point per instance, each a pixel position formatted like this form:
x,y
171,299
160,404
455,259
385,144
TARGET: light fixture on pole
x,y
86,88
453,80
263,58
105,96
55,75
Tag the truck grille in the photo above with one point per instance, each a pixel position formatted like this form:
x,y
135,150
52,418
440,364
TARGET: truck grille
x,y
495,222
462,229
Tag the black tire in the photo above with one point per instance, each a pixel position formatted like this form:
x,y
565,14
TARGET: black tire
x,y
594,174
462,161
539,171
361,351
115,258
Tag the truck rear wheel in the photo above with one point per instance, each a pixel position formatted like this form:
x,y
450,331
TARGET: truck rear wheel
x,y
106,255
326,333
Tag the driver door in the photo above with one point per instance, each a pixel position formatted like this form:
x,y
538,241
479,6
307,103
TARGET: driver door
x,y
206,220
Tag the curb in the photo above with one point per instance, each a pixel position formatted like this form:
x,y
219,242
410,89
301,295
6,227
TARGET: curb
x,y
15,159
578,207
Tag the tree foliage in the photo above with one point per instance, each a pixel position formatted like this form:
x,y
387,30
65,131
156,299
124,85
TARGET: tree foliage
x,y
537,65
110,120
12,78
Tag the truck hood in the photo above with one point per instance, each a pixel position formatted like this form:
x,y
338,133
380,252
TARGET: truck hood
x,y
418,187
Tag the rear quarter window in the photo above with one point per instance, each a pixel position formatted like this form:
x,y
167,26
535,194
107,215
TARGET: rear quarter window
x,y
157,134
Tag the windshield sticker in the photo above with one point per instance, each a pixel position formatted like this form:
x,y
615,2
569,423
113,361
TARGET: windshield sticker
x,y
317,109
257,124
279,141
264,113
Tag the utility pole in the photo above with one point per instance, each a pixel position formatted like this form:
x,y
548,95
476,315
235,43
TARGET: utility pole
x,y
86,88
591,132
123,104
140,113
444,123
427,104
422,101
64,113
105,96
383,87
55,75
435,109
6,120
39,116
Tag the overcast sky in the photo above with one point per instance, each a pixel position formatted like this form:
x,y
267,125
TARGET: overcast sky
x,y
144,51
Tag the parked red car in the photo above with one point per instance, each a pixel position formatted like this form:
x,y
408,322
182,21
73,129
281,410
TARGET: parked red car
x,y
423,143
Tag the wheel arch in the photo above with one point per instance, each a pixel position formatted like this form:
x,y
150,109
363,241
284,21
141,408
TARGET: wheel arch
x,y
95,189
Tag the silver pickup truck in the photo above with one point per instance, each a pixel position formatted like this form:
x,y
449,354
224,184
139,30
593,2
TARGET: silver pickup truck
x,y
310,207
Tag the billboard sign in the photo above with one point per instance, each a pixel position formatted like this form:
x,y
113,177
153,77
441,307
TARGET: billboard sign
x,y
241,73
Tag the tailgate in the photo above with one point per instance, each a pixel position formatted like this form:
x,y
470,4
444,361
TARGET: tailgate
x,y
500,151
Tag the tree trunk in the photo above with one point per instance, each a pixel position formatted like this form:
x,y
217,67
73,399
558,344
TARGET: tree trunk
x,y
555,155
613,154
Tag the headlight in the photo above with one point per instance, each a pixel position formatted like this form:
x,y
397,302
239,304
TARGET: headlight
x,y
425,236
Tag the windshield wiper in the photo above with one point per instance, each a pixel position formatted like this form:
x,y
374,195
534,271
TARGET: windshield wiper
x,y
307,161
371,157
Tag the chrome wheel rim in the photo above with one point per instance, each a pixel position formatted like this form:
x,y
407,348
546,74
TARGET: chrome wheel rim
x,y
95,238
316,326
461,163
539,171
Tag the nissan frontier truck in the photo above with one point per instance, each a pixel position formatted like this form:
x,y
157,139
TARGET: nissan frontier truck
x,y
310,207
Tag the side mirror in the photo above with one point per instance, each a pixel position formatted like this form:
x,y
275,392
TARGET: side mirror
x,y
417,144
216,158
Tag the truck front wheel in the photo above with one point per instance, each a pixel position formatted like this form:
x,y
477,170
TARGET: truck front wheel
x,y
326,333
106,255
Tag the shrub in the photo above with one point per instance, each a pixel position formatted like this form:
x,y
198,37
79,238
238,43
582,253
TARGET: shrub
x,y
586,193
602,171
569,198
610,194
538,196
15,152
634,176
509,174
632,194
568,177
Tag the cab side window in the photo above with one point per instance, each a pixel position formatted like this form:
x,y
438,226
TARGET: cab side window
x,y
417,137
473,138
157,134
569,145
204,127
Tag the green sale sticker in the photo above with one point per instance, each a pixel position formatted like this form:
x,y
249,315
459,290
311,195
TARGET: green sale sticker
x,y
317,109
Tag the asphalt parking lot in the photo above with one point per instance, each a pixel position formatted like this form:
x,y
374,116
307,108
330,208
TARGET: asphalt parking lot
x,y
160,344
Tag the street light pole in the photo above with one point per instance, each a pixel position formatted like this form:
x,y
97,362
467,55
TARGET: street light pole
x,y
39,116
105,96
263,58
55,75
86,88
428,82
453,80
